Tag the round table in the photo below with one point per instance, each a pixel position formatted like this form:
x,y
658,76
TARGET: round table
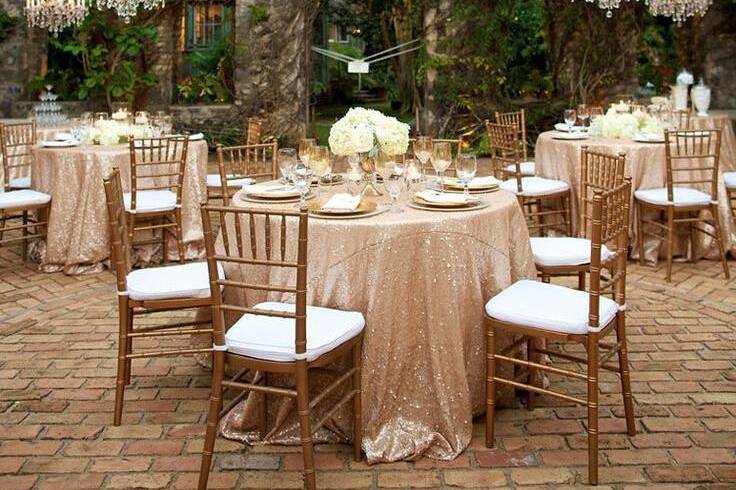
x,y
421,278
77,240
646,165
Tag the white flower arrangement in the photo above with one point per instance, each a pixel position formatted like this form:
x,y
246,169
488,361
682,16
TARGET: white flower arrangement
x,y
615,125
113,132
366,130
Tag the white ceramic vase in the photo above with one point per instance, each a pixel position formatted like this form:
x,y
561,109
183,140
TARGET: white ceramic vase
x,y
701,99
679,97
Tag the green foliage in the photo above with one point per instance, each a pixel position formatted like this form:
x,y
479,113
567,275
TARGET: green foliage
x,y
657,59
210,73
7,24
259,13
102,59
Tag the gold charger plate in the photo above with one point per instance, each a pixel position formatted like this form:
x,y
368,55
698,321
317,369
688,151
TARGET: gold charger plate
x,y
365,206
443,205
285,194
478,190
375,212
473,207
283,200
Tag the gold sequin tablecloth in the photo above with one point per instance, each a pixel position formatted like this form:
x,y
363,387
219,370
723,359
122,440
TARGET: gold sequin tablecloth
x,y
421,279
646,165
78,239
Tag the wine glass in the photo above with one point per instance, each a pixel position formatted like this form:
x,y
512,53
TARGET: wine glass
x,y
466,166
305,149
583,114
101,116
167,124
320,164
393,181
413,170
302,178
287,162
423,152
441,159
570,117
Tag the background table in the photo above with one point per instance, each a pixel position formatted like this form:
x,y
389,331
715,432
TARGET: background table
x,y
421,279
646,165
78,239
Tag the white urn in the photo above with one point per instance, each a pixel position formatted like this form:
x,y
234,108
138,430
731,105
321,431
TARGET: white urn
x,y
701,98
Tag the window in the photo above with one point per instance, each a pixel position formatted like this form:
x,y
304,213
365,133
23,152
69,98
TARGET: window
x,y
206,27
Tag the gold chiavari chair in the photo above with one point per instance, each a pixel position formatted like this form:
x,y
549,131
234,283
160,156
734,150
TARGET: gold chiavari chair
x,y
533,192
253,131
729,178
157,180
146,291
240,165
692,159
17,201
536,310
275,337
565,256
16,141
518,120
681,120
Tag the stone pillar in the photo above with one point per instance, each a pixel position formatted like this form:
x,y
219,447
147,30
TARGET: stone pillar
x,y
24,57
273,63
435,27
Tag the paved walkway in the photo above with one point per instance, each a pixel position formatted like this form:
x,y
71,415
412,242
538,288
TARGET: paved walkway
x,y
57,368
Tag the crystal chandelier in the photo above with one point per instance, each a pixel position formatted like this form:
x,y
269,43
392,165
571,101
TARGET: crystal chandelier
x,y
679,10
128,8
55,15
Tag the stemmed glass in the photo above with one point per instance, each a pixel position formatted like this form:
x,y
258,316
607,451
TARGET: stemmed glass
x,y
466,166
423,152
167,124
570,117
302,178
321,165
305,149
101,116
287,162
441,160
583,114
413,172
392,172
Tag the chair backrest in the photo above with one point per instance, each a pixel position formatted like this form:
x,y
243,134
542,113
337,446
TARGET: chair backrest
x,y
681,119
609,225
692,160
598,171
281,244
518,120
158,164
119,239
253,131
503,141
16,141
255,161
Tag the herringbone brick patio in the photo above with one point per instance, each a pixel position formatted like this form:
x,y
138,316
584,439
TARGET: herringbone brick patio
x,y
57,366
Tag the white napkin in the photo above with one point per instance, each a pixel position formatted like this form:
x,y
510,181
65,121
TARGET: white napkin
x,y
342,202
196,136
445,198
268,188
63,136
565,128
483,182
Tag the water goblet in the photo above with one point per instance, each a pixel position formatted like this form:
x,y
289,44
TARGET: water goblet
x,y
320,164
423,153
287,161
466,166
441,160
302,179
570,118
583,114
305,149
393,182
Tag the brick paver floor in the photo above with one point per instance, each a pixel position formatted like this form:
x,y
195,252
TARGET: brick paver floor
x,y
57,367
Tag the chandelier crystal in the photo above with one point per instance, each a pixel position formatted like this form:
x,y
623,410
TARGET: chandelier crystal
x,y
679,10
128,8
55,15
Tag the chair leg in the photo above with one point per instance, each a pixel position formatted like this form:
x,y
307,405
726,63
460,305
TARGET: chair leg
x,y
263,410
623,367
568,212
179,235
490,383
357,403
531,356
129,350
25,234
302,401
164,242
670,240
124,312
581,281
592,408
719,239
2,226
218,370
640,230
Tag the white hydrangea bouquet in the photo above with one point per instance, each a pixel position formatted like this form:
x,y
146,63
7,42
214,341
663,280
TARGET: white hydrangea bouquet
x,y
367,131
113,132
615,125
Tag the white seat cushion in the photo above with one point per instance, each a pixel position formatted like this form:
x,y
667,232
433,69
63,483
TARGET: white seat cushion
x,y
561,251
683,196
21,183
527,168
190,280
22,198
151,201
535,186
272,338
213,180
730,179
548,307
